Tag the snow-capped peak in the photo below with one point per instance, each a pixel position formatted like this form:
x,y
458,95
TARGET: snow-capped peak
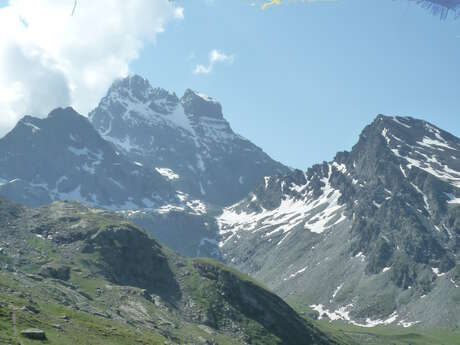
x,y
189,136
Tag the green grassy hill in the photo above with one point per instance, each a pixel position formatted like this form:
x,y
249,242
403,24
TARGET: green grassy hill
x,y
85,276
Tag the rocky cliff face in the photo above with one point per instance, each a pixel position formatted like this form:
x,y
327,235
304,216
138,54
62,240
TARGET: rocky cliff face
x,y
187,140
371,237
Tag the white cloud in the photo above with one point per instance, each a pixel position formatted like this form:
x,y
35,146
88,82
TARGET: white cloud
x,y
215,56
50,58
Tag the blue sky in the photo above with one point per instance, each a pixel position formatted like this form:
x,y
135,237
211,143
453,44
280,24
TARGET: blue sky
x,y
301,80
306,78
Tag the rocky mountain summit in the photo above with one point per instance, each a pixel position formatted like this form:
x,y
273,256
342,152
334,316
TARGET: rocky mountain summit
x,y
187,140
75,275
370,238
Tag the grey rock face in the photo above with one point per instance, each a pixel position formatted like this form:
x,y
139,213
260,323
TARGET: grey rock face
x,y
364,237
201,105
63,157
187,140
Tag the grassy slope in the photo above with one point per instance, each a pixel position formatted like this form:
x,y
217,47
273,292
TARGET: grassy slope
x,y
101,252
81,328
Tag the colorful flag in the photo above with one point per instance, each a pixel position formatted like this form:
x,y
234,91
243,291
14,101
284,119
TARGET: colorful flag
x,y
441,7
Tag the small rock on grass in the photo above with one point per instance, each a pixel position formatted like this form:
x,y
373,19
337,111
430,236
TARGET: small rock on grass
x,y
34,333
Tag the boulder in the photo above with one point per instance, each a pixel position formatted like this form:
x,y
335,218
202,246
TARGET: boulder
x,y
55,271
34,333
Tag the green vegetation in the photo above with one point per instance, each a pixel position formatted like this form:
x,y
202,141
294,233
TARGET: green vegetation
x,y
61,324
386,335
236,273
86,277
89,277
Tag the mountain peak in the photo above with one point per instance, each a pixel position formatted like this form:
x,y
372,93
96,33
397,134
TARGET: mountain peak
x,y
198,104
138,89
132,82
397,130
68,112
66,119
392,122
188,137
385,213
409,125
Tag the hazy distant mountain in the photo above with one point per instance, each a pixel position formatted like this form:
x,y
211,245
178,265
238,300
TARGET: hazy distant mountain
x,y
372,236
62,157
187,140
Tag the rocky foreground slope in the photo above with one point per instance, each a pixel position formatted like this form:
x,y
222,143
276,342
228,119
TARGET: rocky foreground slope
x,y
84,276
371,238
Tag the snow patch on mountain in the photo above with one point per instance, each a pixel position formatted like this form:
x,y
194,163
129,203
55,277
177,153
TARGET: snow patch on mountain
x,y
168,173
435,144
427,153
398,121
452,199
314,214
343,313
34,128
437,271
337,290
295,274
178,119
185,204
439,170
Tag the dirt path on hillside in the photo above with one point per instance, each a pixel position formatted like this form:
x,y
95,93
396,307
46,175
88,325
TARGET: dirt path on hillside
x,y
13,322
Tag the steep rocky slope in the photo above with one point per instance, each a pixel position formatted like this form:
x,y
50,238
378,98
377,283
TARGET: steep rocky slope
x,y
187,140
82,275
371,237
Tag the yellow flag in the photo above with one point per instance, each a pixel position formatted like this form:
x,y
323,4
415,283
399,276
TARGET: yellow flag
x,y
271,3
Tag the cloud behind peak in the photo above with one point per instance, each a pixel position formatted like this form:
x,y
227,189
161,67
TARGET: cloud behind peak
x,y
52,55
